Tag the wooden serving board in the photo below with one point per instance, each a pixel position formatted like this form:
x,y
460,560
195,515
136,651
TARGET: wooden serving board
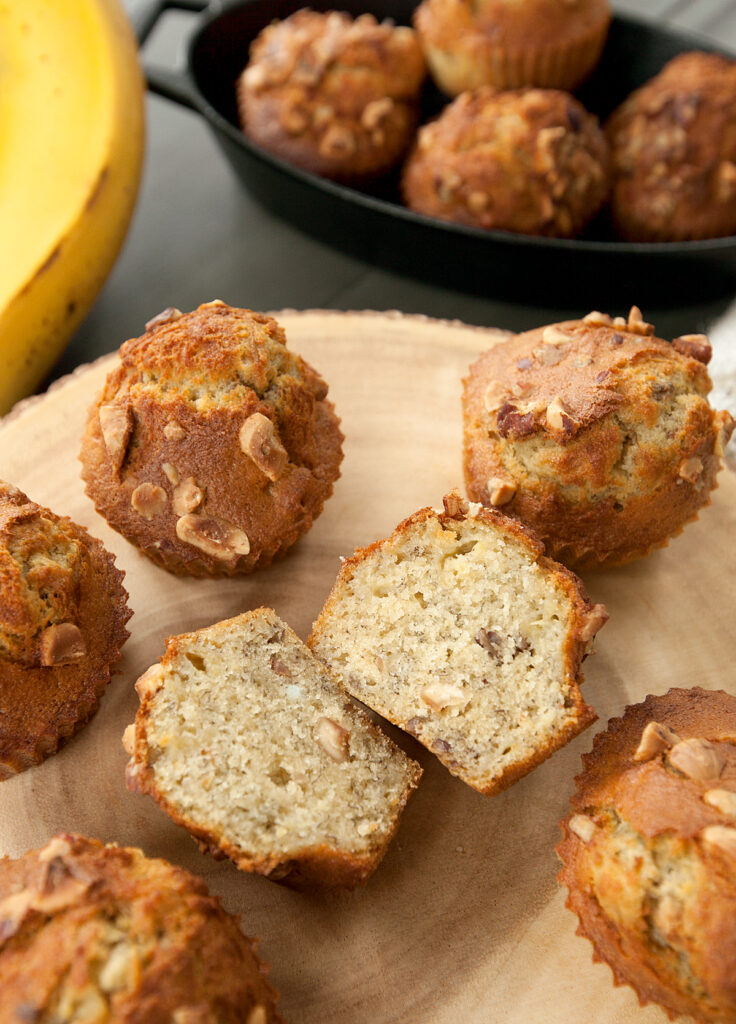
x,y
464,920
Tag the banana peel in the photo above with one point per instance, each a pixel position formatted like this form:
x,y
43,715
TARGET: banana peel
x,y
71,150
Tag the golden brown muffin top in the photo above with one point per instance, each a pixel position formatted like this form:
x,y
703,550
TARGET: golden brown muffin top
x,y
42,560
674,142
338,63
89,931
559,379
532,160
512,24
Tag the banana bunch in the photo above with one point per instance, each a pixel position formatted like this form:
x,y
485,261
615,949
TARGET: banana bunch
x,y
71,147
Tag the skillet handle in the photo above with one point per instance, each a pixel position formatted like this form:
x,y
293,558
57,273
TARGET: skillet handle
x,y
173,85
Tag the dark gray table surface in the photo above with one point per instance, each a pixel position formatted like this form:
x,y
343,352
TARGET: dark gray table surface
x,y
197,234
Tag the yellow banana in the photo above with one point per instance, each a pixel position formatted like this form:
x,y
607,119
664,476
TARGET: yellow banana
x,y
71,146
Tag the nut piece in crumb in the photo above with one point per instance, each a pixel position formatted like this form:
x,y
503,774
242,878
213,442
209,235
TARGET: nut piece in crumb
x,y
116,424
724,800
721,836
332,738
187,496
439,696
697,758
500,490
149,500
215,537
583,827
259,440
596,618
691,469
62,644
655,739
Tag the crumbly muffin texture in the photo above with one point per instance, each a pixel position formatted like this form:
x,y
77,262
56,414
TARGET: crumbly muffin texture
x,y
673,143
458,629
94,933
649,854
595,433
511,43
336,96
62,623
212,447
528,160
243,737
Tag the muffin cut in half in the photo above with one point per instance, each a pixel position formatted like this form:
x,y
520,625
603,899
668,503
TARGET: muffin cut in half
x,y
649,853
244,738
458,629
94,934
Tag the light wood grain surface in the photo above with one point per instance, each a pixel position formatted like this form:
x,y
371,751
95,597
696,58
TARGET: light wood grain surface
x,y
464,920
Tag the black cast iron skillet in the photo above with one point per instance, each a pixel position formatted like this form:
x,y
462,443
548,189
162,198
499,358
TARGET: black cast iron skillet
x,y
596,270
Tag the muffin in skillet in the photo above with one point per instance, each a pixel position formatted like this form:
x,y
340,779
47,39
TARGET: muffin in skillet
x,y
595,433
529,160
649,854
673,144
335,96
212,447
63,611
511,43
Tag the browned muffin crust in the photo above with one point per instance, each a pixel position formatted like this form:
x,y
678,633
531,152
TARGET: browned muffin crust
x,y
530,160
673,144
212,447
62,623
335,96
93,932
649,852
470,43
488,722
596,434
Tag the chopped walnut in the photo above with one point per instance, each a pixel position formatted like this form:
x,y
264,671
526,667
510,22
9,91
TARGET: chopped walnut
x,y
721,836
698,759
376,111
294,120
150,682
559,416
723,423
549,355
695,346
166,316
494,397
129,739
116,424
170,472
439,696
500,491
187,496
555,335
332,738
337,142
216,537
455,506
174,431
259,440
583,827
724,800
597,319
257,1015
478,201
637,324
595,619
149,500
726,181
655,739
691,470
61,644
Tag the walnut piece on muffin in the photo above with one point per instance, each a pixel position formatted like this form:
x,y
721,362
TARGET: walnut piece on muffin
x,y
511,43
596,434
212,447
459,630
649,852
245,739
102,933
673,145
336,96
62,623
529,160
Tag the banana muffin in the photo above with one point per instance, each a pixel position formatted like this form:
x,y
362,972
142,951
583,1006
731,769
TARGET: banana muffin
x,y
530,160
338,97
673,145
511,43
457,629
62,623
596,434
103,934
649,852
244,738
212,447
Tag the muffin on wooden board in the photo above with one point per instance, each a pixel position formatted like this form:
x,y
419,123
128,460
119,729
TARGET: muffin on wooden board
x,y
596,434
459,630
102,933
530,160
212,448
338,97
649,854
511,43
62,623
244,739
673,145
